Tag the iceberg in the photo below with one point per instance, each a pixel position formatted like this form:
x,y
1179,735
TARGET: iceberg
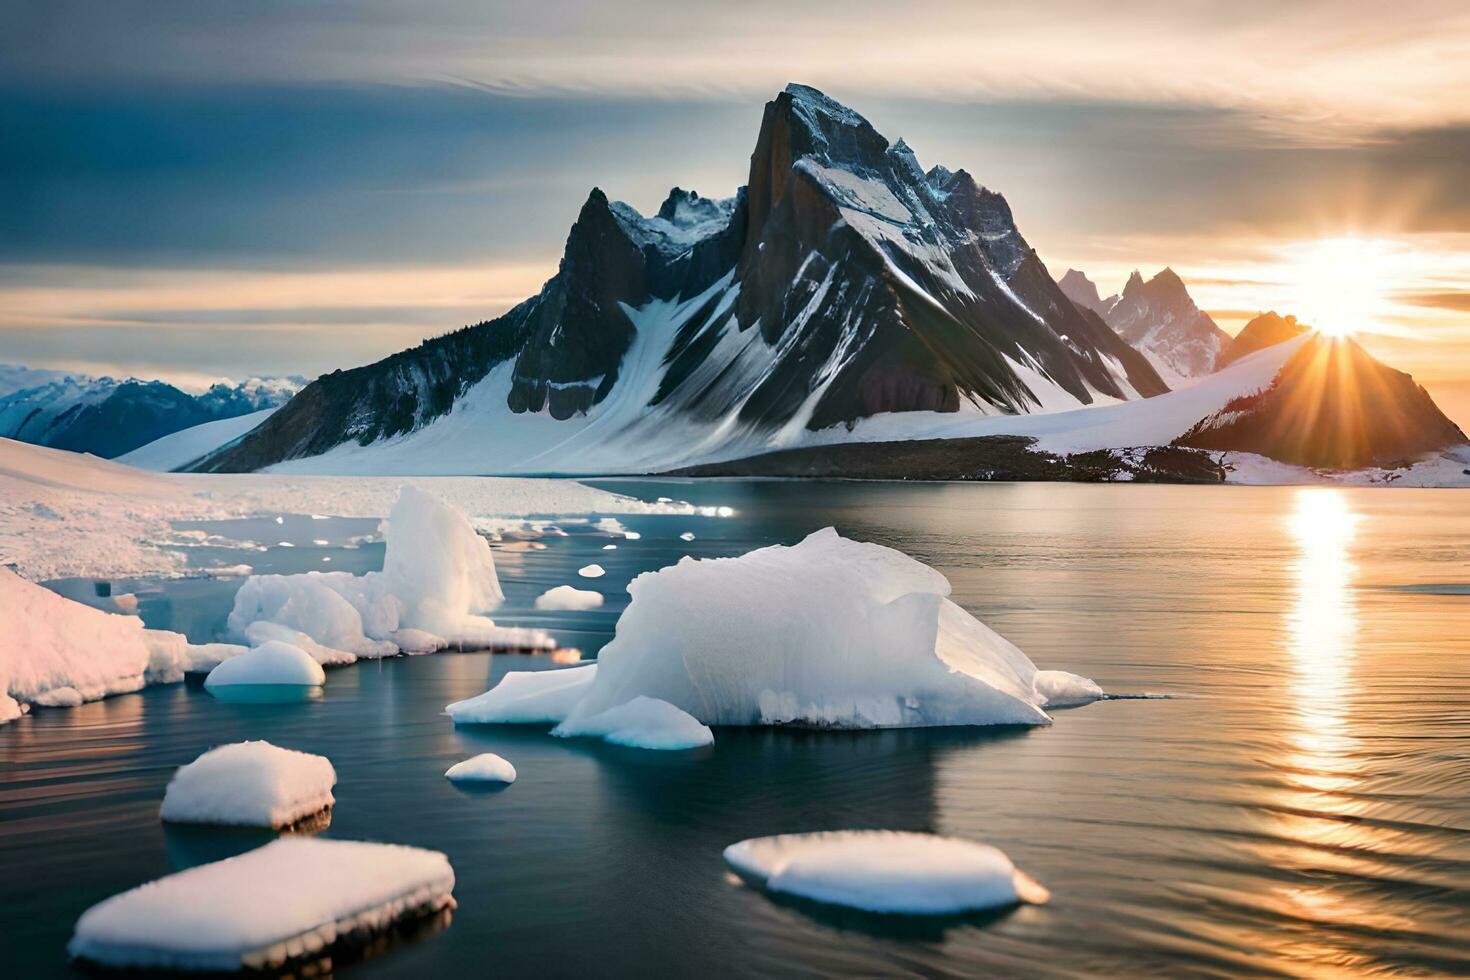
x,y
568,597
294,898
272,663
61,653
885,871
526,697
438,578
642,723
828,633
487,767
251,784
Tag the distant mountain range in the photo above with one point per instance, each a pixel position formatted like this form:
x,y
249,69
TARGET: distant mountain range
x,y
845,294
109,417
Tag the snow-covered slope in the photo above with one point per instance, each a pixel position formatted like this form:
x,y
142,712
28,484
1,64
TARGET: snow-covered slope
x,y
108,417
843,282
178,449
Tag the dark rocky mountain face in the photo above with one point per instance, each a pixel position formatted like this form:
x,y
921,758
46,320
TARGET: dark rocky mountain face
x,y
1160,318
1332,405
1266,330
842,282
108,418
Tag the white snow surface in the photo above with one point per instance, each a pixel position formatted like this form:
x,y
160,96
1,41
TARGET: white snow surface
x,y
487,767
569,597
68,514
273,662
438,578
526,697
828,633
185,446
60,653
642,723
885,871
254,784
592,571
288,899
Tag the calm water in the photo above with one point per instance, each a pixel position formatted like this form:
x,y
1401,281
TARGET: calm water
x,y
1300,805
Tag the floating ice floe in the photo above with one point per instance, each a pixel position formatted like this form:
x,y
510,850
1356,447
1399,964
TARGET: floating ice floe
x,y
592,571
254,784
609,547
438,578
60,653
642,723
526,697
487,767
292,899
847,635
567,597
885,871
271,663
687,536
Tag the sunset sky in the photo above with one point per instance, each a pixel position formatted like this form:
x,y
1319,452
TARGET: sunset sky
x,y
195,189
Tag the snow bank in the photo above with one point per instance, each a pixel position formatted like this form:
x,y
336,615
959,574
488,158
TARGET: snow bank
x,y
885,871
438,576
487,767
828,633
642,723
289,899
568,597
270,663
60,653
526,697
185,446
68,515
253,784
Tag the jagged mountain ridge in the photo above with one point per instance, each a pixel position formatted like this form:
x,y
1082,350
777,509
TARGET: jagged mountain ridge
x,y
843,281
1159,318
1264,330
109,417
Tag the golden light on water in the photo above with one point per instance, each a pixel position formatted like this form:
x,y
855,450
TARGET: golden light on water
x,y
1339,284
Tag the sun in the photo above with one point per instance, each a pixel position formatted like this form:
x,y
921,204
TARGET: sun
x,y
1339,284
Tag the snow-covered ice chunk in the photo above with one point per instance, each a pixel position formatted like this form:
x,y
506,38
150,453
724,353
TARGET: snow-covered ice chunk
x,y
526,697
60,653
274,662
885,871
826,633
487,767
253,784
687,536
567,597
642,723
592,571
1060,689
438,578
632,535
290,899
609,547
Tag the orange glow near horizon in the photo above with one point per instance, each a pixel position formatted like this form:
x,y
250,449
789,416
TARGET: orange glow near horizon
x,y
1339,284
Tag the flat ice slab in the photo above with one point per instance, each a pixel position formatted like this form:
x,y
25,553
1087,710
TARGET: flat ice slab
x,y
250,784
526,697
290,899
885,871
487,767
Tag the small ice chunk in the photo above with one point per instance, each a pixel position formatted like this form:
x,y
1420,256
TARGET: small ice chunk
x,y
280,520
567,597
609,547
273,662
632,535
487,767
1059,689
591,571
525,697
642,723
284,544
260,910
253,784
687,536
885,871
320,542
326,557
